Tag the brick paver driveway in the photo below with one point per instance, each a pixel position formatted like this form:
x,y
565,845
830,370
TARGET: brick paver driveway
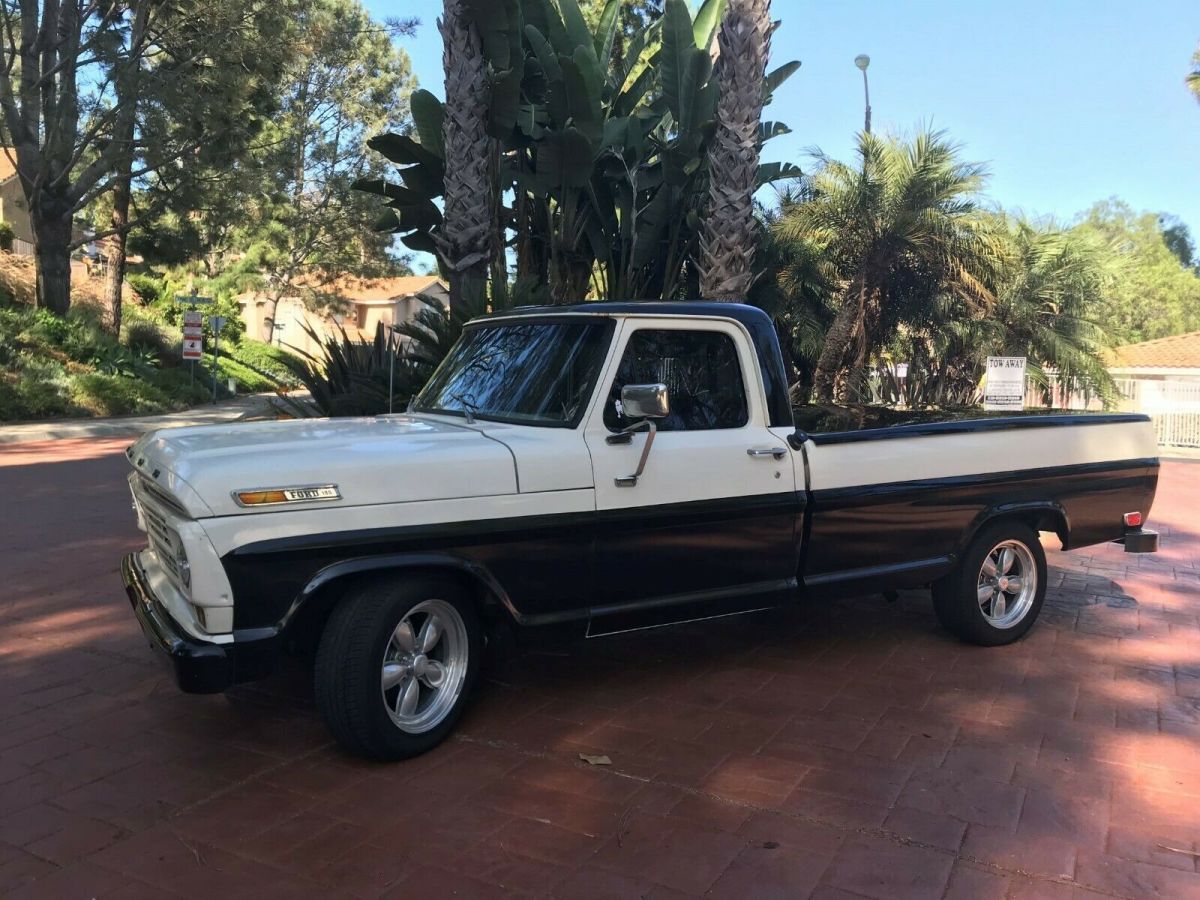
x,y
841,750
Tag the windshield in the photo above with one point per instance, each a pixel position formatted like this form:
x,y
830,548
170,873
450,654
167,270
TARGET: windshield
x,y
527,373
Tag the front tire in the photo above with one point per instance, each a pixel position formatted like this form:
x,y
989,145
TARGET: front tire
x,y
996,593
395,665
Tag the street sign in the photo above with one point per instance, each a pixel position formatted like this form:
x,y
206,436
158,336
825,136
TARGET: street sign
x,y
216,323
193,317
193,347
192,299
1004,383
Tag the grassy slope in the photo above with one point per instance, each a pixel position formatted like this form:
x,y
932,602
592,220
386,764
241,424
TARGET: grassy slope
x,y
51,367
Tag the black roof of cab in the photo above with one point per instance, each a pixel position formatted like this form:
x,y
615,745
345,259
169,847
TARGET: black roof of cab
x,y
757,322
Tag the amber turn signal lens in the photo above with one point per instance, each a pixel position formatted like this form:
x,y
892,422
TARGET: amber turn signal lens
x,y
254,498
1133,520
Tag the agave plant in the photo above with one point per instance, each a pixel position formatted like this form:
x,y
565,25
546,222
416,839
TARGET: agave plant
x,y
602,148
353,377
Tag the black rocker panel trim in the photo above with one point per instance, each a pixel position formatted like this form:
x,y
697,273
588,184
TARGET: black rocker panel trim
x,y
544,565
912,531
972,426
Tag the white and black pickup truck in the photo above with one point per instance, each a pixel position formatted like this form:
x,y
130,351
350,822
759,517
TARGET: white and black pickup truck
x,y
596,468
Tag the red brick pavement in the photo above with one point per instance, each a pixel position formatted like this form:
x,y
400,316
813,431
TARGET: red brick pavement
x,y
847,749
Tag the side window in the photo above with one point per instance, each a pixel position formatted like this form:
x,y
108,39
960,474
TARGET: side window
x,y
701,372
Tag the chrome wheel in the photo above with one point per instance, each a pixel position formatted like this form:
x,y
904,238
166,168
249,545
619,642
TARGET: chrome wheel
x,y
424,666
1007,584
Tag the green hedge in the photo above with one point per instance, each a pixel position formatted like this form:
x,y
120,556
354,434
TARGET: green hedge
x,y
118,395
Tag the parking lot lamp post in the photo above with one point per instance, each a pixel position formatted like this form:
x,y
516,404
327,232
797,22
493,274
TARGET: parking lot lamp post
x,y
862,61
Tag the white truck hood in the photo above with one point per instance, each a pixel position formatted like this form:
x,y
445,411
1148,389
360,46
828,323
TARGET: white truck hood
x,y
387,459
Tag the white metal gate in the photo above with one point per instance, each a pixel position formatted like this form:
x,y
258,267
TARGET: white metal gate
x,y
1173,405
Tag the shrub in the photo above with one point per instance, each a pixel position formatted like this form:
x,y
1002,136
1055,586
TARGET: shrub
x,y
7,236
147,288
247,379
266,359
35,389
179,385
147,336
115,395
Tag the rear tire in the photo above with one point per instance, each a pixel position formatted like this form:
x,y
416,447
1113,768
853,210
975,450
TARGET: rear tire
x,y
997,591
396,663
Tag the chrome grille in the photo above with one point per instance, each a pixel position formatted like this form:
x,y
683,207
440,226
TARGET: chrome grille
x,y
161,543
161,496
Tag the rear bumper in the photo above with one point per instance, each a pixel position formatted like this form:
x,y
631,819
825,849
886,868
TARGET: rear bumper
x,y
199,667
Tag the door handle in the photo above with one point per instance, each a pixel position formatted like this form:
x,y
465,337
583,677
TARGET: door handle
x,y
773,453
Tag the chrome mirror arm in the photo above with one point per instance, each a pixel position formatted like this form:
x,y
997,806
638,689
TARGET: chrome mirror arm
x,y
651,430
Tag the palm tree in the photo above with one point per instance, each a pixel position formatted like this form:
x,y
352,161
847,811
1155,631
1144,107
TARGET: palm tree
x,y
465,239
901,227
1047,288
1046,300
730,230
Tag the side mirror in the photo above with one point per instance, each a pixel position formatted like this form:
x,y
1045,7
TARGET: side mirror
x,y
645,401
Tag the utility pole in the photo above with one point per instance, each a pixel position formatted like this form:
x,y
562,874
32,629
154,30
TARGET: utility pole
x,y
862,61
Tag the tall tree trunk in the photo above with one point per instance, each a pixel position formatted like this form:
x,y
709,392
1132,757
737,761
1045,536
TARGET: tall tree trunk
x,y
466,238
115,281
730,231
837,339
51,222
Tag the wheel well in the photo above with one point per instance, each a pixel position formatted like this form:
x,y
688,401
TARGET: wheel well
x,y
304,628
1040,518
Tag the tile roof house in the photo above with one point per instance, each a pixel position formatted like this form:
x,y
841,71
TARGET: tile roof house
x,y
1172,357
369,301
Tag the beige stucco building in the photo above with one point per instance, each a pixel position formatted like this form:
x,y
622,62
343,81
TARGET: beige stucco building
x,y
13,208
369,302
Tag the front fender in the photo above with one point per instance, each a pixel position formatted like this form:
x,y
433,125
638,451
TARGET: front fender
x,y
483,579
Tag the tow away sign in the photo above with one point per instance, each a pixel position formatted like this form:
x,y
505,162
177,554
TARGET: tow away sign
x,y
193,347
1004,383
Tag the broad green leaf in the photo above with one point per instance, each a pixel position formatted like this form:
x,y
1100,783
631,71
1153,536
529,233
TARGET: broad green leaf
x,y
388,221
576,25
403,150
678,48
379,187
775,78
420,241
768,130
606,30
564,158
505,102
769,173
427,181
496,22
583,94
428,113
708,18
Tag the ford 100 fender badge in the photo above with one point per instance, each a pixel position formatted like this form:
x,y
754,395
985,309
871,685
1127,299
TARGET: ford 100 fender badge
x,y
306,493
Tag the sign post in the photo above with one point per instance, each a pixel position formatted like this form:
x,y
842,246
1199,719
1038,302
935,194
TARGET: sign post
x,y
216,323
1004,383
193,330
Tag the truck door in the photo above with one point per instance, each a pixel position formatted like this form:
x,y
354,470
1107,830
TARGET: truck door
x,y
710,525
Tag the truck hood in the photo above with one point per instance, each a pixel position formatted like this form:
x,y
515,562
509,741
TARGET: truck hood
x,y
387,459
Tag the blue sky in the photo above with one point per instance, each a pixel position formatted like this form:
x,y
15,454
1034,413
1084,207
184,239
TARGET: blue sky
x,y
1067,101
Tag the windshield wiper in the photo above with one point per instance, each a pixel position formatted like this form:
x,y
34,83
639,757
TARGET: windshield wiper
x,y
469,408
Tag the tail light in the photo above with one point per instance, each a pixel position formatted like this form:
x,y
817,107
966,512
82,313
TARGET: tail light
x,y
1133,520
